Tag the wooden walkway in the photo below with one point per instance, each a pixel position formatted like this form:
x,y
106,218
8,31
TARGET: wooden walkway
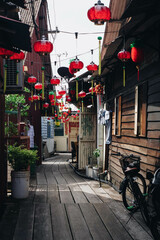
x,y
63,205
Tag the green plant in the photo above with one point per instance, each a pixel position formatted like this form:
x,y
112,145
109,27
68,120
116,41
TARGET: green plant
x,y
96,152
20,158
11,129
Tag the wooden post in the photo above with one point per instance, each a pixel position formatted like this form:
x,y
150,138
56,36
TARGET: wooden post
x,y
3,162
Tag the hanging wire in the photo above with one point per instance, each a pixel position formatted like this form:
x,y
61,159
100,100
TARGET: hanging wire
x,y
76,36
91,55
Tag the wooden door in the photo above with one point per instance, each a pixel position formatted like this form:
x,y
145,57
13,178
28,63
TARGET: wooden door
x,y
87,136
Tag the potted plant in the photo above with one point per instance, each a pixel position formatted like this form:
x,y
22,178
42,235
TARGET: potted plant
x,y
96,154
20,159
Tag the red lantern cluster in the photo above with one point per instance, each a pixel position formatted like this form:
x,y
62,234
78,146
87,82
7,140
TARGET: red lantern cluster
x,y
99,13
43,46
75,66
99,89
92,67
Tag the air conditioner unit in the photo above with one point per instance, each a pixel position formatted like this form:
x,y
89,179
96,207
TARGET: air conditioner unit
x,y
14,70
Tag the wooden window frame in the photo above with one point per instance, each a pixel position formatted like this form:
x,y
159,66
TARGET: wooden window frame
x,y
140,124
118,115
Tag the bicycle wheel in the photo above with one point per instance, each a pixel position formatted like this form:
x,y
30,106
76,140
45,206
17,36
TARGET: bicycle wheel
x,y
129,200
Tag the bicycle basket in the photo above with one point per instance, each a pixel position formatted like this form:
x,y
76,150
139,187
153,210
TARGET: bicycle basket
x,y
131,162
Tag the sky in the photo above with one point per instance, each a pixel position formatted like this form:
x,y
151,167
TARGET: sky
x,y
71,16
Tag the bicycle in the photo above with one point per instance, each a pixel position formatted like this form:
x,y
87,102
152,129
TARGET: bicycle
x,y
133,186
153,202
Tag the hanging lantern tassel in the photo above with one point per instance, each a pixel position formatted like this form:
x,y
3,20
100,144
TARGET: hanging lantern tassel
x,y
124,75
17,77
137,72
99,69
55,97
82,105
35,108
45,113
77,90
5,78
43,68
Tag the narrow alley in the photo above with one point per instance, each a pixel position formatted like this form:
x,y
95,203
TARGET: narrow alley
x,y
63,205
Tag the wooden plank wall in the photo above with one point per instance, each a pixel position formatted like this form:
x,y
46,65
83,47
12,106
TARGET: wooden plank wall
x,y
148,148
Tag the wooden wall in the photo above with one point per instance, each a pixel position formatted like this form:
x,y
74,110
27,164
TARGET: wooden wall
x,y
148,147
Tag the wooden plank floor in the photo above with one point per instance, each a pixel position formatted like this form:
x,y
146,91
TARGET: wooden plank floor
x,y
63,205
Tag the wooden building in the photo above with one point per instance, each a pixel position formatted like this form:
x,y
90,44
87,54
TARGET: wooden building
x,y
135,107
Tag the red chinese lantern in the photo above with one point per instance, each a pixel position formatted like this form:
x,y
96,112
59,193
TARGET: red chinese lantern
x,y
53,102
99,13
35,98
43,46
71,69
18,56
30,99
76,65
68,99
62,92
38,86
46,105
78,111
51,95
124,56
92,89
72,91
58,96
92,67
5,53
82,94
32,80
55,81
137,54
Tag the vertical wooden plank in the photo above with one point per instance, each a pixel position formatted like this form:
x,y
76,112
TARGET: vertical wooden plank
x,y
24,227
136,111
60,225
3,162
42,224
144,110
95,224
78,225
119,114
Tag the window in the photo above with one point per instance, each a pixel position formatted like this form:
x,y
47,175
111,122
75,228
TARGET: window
x,y
117,110
48,130
59,131
140,110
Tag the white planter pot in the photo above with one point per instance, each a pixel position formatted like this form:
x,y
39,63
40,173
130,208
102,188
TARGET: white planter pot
x,y
20,184
89,172
95,172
